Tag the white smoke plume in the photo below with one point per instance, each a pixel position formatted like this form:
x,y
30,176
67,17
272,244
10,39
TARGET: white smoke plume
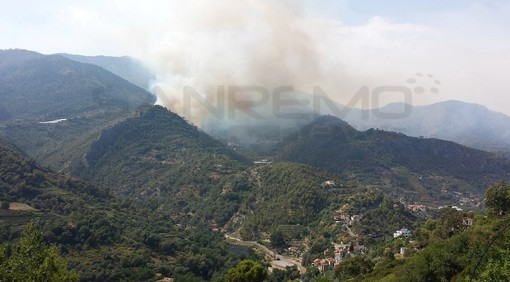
x,y
215,45
205,44
265,44
339,45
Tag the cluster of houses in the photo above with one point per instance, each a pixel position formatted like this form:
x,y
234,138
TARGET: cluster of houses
x,y
345,250
463,201
345,217
404,232
342,251
324,264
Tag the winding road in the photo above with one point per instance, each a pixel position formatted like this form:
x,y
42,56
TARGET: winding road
x,y
289,260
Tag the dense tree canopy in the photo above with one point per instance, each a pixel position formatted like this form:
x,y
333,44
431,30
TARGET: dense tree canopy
x,y
246,271
498,199
31,259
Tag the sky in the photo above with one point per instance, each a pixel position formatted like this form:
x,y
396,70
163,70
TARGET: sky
x,y
438,50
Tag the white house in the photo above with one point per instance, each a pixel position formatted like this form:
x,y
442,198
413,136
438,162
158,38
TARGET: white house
x,y
404,232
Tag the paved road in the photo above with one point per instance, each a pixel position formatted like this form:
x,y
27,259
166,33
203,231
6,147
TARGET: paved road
x,y
291,260
253,244
266,250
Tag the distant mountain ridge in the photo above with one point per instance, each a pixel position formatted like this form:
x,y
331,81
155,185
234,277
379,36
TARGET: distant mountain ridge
x,y
393,160
472,125
85,98
126,67
36,86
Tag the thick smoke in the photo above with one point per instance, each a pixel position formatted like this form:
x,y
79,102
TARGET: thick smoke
x,y
236,53
239,67
338,45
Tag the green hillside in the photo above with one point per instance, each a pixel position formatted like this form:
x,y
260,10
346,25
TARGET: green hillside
x,y
283,194
420,167
159,156
446,248
53,108
102,238
46,87
128,68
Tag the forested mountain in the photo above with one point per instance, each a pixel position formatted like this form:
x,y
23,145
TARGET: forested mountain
x,y
53,108
47,87
422,167
153,152
126,67
283,195
102,238
468,124
23,180
464,123
159,157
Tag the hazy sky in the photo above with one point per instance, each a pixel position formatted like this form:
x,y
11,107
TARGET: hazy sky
x,y
338,45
